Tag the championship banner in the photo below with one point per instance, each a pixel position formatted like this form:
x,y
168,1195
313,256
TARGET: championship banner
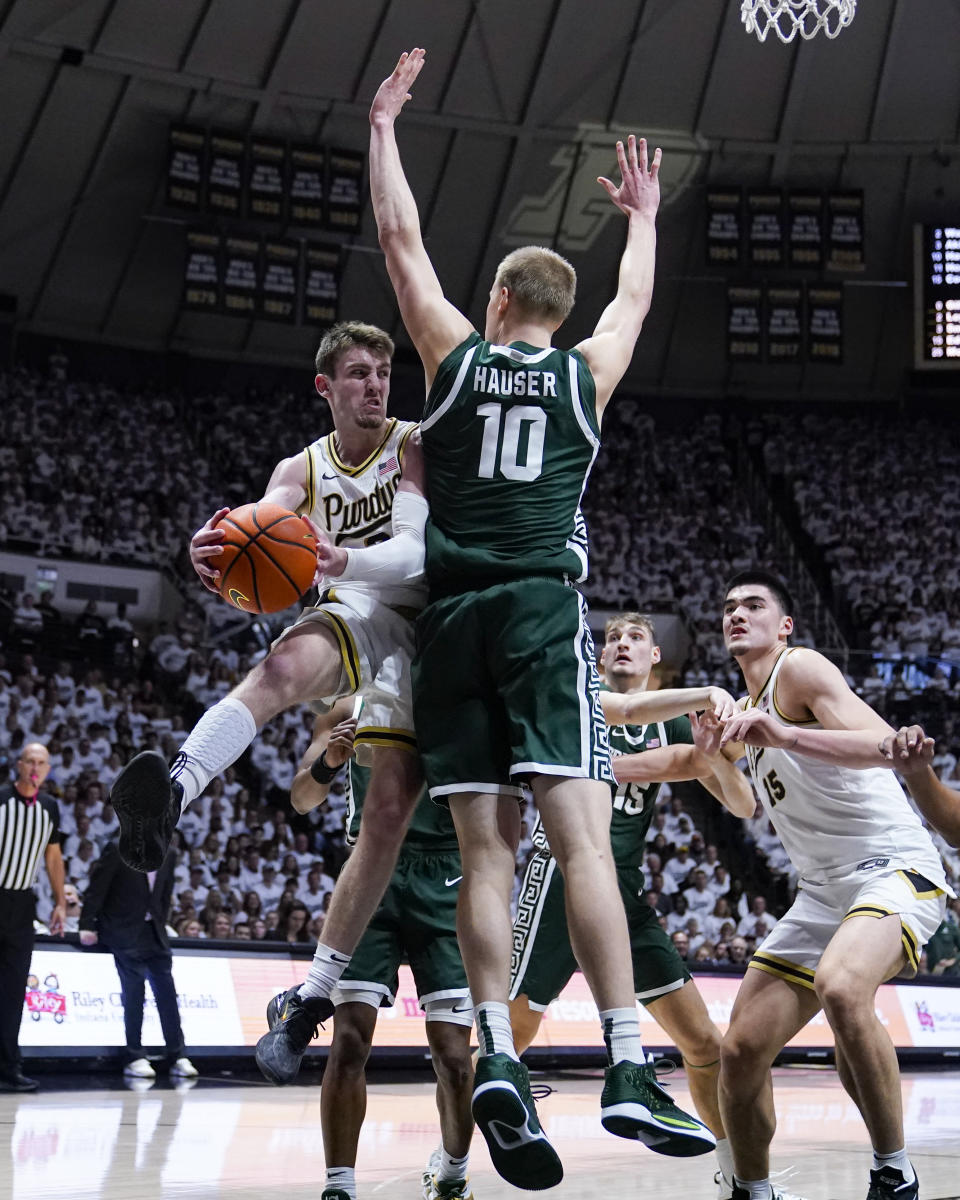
x,y
825,324
321,284
201,290
225,175
241,277
744,308
724,226
784,323
281,275
185,167
845,231
765,227
307,169
805,230
266,180
344,190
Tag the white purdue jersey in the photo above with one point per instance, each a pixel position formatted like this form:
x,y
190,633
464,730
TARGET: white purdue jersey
x,y
833,819
354,505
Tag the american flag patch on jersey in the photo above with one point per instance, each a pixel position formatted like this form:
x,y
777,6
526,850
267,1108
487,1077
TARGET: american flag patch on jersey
x,y
386,467
653,743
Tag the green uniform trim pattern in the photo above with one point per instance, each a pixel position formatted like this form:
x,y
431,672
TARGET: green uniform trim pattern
x,y
542,958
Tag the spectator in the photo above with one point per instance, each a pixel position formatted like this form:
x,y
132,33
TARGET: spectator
x,y
700,898
758,923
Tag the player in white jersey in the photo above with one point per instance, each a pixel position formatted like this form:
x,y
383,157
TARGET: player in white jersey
x,y
362,486
872,889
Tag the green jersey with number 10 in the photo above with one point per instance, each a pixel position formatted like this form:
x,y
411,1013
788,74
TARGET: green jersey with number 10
x,y
509,436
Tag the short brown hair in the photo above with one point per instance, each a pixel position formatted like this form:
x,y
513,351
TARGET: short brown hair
x,y
631,618
343,337
542,283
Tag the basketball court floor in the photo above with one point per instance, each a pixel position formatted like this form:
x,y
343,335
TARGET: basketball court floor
x,y
241,1139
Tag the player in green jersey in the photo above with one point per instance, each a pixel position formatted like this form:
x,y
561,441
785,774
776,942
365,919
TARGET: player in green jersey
x,y
655,746
505,684
416,921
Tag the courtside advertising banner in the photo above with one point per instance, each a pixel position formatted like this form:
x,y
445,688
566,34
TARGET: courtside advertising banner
x,y
73,1000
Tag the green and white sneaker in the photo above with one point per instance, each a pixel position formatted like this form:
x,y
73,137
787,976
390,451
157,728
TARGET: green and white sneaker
x,y
506,1115
634,1105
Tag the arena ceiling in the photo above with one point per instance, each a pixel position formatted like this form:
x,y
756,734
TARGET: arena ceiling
x,y
513,118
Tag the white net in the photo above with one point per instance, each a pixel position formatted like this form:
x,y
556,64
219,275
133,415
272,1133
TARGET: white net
x,y
787,18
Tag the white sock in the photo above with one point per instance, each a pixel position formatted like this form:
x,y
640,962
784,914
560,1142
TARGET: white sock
x,y
897,1160
452,1168
343,1178
325,971
621,1035
493,1029
218,739
725,1159
759,1189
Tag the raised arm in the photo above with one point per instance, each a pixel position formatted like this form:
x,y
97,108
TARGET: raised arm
x,y
609,350
434,325
911,753
810,686
331,746
640,708
287,487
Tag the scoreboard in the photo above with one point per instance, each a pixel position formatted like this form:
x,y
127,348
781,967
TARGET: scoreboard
x,y
937,296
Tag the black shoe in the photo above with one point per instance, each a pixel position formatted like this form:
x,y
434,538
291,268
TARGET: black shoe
x,y
293,1025
147,803
16,1081
889,1184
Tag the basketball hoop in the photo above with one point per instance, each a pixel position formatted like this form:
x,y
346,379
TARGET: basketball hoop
x,y
787,18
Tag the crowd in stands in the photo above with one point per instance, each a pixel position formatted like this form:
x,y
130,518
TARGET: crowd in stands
x,y
879,499
667,528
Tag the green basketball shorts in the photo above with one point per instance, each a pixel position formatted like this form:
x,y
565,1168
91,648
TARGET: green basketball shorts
x,y
505,687
543,960
416,922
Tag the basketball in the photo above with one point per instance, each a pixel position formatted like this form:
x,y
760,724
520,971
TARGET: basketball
x,y
269,558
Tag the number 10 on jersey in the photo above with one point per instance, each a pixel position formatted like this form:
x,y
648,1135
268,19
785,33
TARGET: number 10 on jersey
x,y
505,434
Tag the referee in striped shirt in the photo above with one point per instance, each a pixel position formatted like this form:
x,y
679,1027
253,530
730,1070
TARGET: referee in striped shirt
x,y
29,828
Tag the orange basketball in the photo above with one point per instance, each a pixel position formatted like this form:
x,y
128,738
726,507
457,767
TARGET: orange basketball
x,y
269,558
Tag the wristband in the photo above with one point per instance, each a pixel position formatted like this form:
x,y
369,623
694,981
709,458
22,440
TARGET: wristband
x,y
321,771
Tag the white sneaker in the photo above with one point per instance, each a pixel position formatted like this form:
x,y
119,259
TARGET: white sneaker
x,y
724,1186
432,1167
184,1068
140,1069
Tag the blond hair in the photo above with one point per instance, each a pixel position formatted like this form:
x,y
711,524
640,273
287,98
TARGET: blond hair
x,y
631,618
343,337
541,282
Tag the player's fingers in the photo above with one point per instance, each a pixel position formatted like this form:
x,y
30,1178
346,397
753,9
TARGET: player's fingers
x,y
607,186
207,551
640,155
655,166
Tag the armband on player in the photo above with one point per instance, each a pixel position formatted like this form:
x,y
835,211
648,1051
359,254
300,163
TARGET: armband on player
x,y
321,771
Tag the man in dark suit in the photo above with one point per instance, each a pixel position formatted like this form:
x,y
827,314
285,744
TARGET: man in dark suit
x,y
127,911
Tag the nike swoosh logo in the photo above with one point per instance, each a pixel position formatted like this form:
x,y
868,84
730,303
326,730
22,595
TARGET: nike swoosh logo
x,y
451,882
466,1008
326,476
335,958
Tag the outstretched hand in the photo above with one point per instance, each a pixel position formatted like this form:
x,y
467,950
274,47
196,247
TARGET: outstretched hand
x,y
206,545
394,92
757,728
706,731
340,744
331,559
909,749
639,190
